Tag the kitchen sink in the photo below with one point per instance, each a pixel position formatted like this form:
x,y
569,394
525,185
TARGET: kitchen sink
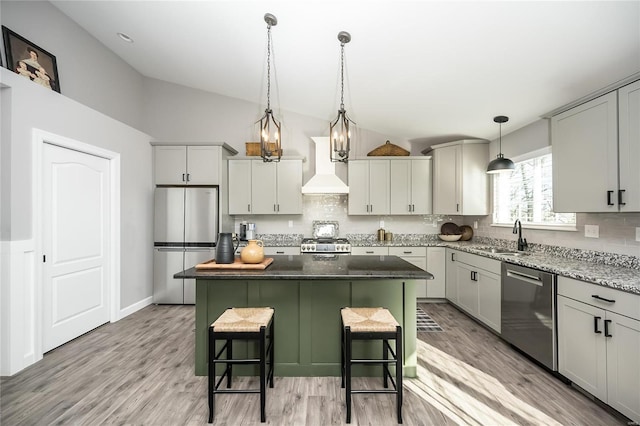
x,y
504,252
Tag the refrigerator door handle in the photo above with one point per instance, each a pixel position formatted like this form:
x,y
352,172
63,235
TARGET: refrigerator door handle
x,y
170,249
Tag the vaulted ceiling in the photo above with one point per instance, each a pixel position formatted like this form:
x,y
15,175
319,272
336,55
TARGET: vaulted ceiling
x,y
419,70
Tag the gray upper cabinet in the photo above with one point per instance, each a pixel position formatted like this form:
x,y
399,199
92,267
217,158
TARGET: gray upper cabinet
x,y
596,154
460,184
368,187
187,165
410,186
256,187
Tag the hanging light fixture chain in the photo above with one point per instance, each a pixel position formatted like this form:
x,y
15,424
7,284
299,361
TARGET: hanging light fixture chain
x,y
342,75
268,66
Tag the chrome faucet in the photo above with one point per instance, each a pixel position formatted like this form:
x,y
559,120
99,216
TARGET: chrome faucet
x,y
517,229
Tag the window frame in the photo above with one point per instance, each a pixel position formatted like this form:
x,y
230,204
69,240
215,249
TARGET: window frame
x,y
527,225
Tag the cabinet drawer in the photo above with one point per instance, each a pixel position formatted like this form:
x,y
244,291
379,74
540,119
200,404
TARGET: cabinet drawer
x,y
376,251
477,261
407,251
270,251
626,304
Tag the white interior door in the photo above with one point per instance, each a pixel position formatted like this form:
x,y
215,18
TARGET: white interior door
x,y
76,220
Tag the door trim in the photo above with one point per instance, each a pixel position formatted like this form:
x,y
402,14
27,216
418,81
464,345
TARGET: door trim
x,y
39,138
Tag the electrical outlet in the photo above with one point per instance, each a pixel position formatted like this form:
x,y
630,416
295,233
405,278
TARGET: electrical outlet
x,y
592,231
475,224
637,234
290,224
381,223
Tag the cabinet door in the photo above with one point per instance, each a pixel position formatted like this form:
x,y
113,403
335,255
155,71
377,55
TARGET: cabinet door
x,y
629,146
417,256
581,349
401,189
473,195
436,266
467,288
585,157
623,365
289,188
263,187
379,187
446,184
270,251
358,187
170,165
421,192
203,165
370,251
489,299
451,280
239,187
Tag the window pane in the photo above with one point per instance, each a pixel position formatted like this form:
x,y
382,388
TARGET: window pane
x,y
527,194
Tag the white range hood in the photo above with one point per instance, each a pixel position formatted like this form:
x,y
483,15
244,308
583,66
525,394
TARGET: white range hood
x,y
325,180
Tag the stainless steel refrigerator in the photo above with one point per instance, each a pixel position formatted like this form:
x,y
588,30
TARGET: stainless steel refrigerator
x,y
185,232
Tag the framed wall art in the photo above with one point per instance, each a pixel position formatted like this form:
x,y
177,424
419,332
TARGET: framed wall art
x,y
30,61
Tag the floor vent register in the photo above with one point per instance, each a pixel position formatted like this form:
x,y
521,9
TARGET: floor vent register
x,y
425,323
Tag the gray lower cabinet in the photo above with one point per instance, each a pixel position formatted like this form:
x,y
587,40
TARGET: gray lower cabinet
x,y
599,342
478,286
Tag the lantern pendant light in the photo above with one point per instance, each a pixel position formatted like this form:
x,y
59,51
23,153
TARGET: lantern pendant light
x,y
270,133
340,128
500,164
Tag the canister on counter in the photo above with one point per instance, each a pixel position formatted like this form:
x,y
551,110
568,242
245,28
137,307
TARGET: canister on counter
x,y
388,236
381,234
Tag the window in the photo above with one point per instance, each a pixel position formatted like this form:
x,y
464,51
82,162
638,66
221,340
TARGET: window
x,y
527,194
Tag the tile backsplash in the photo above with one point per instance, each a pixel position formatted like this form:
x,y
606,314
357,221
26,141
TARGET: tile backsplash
x,y
617,231
335,207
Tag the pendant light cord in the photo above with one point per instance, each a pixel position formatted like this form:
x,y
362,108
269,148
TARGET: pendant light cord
x,y
342,76
268,67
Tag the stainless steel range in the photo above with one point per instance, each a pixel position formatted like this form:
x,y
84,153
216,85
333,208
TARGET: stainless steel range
x,y
325,245
325,239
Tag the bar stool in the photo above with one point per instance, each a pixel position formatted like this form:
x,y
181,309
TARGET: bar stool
x,y
241,324
372,324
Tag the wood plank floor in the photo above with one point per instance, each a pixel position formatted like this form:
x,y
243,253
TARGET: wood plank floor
x,y
139,371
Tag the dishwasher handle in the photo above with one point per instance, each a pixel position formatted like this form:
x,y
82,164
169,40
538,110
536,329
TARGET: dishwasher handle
x,y
531,279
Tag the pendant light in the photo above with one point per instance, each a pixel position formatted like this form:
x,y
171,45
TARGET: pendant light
x,y
339,129
500,164
270,134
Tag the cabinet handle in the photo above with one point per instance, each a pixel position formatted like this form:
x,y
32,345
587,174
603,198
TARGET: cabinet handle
x,y
606,328
279,252
183,177
407,252
248,207
274,208
371,207
188,177
409,208
474,276
609,193
595,325
369,252
457,207
452,259
620,191
595,296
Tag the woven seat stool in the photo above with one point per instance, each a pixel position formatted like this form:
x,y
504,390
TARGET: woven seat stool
x,y
372,324
241,324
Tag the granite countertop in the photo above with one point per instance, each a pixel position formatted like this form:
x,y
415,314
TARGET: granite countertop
x,y
621,272
319,267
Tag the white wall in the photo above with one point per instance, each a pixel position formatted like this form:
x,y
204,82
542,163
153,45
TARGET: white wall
x,y
177,113
617,230
32,106
89,72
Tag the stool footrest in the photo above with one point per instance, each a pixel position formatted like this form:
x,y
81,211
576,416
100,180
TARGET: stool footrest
x,y
238,391
373,361
238,361
374,391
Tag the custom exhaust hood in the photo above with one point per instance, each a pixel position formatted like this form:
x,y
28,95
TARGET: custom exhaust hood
x,y
325,180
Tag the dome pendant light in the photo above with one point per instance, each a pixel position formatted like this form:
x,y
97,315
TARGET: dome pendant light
x,y
500,164
339,129
270,134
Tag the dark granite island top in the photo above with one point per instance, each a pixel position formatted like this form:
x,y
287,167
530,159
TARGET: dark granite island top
x,y
307,293
319,267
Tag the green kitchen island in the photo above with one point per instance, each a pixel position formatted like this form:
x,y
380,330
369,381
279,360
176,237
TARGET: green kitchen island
x,y
307,292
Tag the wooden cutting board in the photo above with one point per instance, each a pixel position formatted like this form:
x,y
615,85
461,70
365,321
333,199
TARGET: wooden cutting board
x,y
237,264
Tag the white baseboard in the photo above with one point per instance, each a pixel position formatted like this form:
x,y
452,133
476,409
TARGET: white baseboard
x,y
135,307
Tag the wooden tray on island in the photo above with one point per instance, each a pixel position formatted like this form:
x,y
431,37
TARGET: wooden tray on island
x,y
237,264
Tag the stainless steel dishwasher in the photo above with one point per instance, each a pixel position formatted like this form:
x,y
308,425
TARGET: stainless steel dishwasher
x,y
529,312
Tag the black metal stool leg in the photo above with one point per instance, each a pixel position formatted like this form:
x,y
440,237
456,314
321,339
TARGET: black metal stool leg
x,y
229,366
399,361
272,351
263,377
385,366
348,355
212,374
342,349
